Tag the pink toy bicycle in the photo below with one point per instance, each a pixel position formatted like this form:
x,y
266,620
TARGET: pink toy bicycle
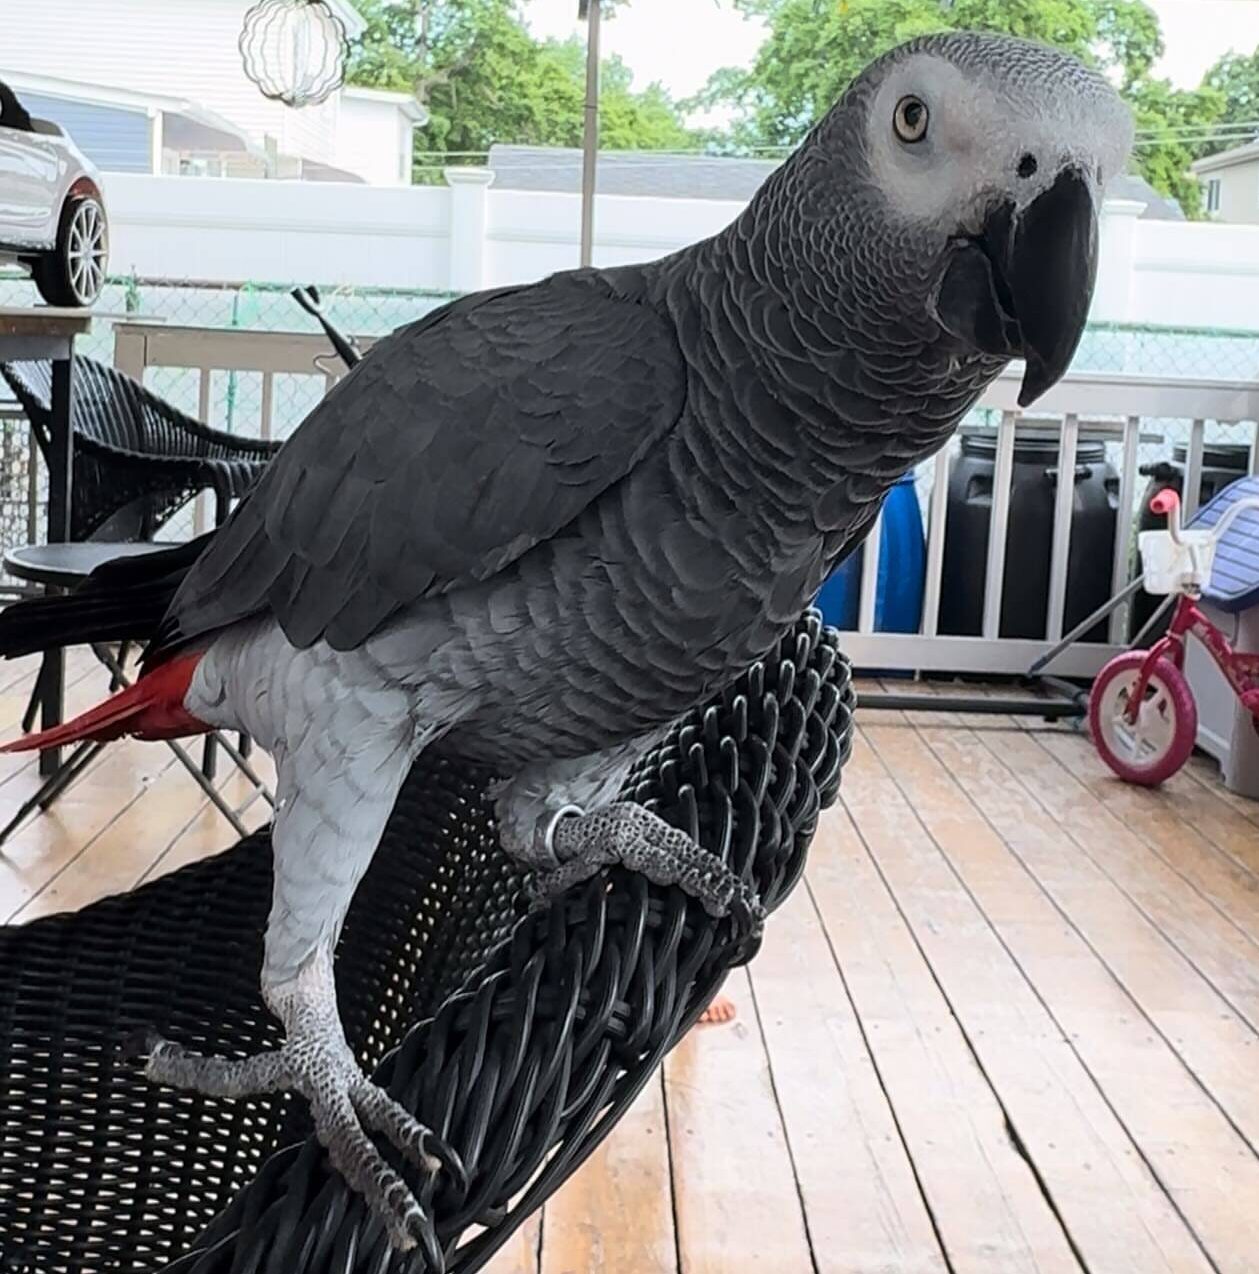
x,y
1142,713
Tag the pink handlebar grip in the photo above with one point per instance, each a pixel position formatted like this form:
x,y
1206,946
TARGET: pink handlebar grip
x,y
1164,502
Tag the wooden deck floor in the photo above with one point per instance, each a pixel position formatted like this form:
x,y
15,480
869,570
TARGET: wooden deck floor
x,y
1010,1021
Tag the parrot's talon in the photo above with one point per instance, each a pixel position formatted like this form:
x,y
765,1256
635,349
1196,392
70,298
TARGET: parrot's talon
x,y
346,1106
632,836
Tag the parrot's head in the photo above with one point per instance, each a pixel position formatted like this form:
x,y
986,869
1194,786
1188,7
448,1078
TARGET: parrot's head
x,y
970,170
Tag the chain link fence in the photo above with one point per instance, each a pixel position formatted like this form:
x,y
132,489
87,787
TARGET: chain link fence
x,y
235,400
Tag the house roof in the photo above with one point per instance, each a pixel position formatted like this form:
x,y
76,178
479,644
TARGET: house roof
x,y
405,102
1158,207
674,176
1227,158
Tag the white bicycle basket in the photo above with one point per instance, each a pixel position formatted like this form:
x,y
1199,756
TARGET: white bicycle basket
x,y
1176,568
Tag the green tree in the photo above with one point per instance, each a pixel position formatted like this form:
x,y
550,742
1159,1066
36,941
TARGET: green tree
x,y
483,78
814,47
1236,78
1171,124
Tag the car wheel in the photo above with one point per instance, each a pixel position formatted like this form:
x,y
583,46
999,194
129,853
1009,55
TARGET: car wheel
x,y
73,273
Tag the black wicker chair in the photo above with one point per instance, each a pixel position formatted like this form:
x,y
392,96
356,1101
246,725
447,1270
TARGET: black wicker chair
x,y
520,1036
137,462
137,459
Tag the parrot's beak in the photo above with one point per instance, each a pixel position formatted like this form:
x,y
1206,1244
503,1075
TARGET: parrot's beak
x,y
1052,269
1022,288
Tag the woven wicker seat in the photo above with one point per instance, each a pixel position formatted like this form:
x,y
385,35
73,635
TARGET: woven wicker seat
x,y
520,1036
136,456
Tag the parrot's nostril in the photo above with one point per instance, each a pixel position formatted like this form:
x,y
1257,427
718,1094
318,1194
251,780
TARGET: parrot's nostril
x,y
1028,166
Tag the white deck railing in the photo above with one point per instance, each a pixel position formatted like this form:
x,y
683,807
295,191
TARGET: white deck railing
x,y
1091,405
205,350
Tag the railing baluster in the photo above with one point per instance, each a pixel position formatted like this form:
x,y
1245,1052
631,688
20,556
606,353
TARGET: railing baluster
x,y
1125,516
201,512
998,526
1064,502
267,409
1193,468
937,515
870,576
1254,451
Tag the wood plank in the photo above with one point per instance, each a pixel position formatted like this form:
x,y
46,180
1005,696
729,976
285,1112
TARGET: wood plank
x,y
519,1255
124,853
1166,943
734,1193
1115,1212
43,847
1152,815
864,1209
615,1213
207,831
1197,1155
1204,808
86,683
1206,771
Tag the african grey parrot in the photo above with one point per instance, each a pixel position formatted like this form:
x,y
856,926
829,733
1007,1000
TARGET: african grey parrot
x,y
544,521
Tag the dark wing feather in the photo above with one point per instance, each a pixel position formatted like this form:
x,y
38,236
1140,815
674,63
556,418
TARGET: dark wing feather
x,y
455,446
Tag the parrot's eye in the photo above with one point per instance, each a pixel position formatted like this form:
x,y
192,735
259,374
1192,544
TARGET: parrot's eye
x,y
910,120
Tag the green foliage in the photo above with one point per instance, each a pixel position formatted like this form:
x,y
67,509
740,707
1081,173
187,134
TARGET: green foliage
x,y
814,47
1236,78
484,78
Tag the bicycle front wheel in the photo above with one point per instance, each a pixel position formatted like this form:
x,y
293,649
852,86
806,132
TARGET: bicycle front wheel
x,y
1150,749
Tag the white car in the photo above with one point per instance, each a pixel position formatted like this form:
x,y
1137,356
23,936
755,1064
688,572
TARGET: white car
x,y
52,214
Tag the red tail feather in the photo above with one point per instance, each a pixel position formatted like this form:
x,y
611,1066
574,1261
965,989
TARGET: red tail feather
x,y
151,709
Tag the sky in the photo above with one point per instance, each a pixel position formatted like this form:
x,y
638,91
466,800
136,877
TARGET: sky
x,y
681,42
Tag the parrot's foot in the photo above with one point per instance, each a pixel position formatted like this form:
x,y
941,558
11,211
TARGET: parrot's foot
x,y
632,836
317,1062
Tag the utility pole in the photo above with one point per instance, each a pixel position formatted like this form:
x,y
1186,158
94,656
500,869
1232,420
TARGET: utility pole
x,y
590,134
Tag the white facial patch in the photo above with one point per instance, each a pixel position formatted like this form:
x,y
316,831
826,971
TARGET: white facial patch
x,y
993,135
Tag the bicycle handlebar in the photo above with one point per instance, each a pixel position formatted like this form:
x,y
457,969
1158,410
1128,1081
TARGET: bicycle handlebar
x,y
1167,503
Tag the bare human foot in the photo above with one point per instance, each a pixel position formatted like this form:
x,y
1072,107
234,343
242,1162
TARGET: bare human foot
x,y
720,1011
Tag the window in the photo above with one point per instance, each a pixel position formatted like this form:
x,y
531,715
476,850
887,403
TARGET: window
x,y
12,113
1213,195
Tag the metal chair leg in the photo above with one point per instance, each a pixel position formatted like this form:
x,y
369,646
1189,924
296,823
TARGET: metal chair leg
x,y
124,653
37,694
209,757
208,788
53,786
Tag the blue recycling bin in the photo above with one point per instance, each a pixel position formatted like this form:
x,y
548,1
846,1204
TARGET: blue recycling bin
x,y
902,570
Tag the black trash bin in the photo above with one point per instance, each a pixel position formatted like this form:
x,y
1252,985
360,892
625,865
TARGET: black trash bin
x,y
1029,547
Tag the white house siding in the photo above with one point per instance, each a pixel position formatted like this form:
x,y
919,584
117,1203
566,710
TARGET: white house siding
x,y
180,48
372,139
1239,192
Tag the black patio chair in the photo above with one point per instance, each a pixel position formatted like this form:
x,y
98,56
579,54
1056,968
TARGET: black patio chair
x,y
521,1036
137,459
137,462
